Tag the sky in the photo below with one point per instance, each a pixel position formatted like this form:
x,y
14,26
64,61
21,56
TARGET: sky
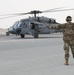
x,y
23,6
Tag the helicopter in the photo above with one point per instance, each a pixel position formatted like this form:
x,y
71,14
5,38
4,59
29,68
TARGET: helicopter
x,y
34,25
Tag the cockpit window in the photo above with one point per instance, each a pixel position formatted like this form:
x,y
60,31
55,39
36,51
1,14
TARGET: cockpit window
x,y
16,23
20,24
14,26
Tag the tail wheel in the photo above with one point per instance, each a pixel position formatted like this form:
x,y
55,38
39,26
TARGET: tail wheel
x,y
22,35
7,33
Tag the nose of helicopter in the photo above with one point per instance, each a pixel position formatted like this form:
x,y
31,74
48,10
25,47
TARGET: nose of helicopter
x,y
18,30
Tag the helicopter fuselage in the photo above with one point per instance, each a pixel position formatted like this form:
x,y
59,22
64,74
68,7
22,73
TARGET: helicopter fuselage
x,y
33,26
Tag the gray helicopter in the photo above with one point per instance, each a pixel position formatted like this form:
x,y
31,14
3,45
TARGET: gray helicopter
x,y
34,25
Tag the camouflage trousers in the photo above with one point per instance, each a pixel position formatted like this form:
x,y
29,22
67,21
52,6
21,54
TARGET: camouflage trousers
x,y
67,46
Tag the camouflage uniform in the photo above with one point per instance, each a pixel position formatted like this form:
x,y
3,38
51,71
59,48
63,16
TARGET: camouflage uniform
x,y
68,37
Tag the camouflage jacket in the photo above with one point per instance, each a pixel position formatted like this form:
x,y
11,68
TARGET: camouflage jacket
x,y
68,30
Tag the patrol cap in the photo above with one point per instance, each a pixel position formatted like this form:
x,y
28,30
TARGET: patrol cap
x,y
68,18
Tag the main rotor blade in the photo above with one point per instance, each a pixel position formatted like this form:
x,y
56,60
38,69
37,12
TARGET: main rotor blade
x,y
9,16
15,14
52,9
32,12
59,10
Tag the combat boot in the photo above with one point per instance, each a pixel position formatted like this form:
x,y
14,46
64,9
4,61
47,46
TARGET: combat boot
x,y
66,62
73,55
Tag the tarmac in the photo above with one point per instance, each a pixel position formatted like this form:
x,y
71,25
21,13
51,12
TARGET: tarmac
x,y
30,56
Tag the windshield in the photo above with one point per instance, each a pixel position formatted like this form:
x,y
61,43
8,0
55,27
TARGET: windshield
x,y
17,24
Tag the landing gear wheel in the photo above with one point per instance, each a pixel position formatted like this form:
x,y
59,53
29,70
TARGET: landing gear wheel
x,y
36,35
22,35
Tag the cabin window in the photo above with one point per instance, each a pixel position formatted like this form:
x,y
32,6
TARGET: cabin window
x,y
54,21
32,26
49,20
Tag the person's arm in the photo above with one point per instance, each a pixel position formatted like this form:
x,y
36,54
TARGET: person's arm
x,y
60,26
